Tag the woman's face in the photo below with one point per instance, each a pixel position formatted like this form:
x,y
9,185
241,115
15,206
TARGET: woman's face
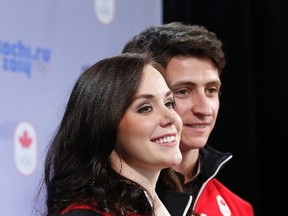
x,y
149,132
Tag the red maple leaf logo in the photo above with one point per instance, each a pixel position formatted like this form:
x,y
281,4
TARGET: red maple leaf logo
x,y
25,140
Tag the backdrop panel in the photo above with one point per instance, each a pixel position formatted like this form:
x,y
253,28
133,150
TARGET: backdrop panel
x,y
44,46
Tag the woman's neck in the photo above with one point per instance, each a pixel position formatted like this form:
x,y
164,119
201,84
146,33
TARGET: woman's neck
x,y
147,178
189,164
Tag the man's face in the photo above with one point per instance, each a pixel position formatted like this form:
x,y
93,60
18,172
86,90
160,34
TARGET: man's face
x,y
196,85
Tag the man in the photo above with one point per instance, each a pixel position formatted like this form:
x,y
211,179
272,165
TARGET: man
x,y
194,60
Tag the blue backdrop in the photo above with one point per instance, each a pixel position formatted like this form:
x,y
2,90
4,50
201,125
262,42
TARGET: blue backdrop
x,y
44,46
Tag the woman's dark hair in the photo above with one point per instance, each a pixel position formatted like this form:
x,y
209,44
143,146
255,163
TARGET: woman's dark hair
x,y
77,168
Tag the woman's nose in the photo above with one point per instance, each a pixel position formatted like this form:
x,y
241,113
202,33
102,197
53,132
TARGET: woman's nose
x,y
168,118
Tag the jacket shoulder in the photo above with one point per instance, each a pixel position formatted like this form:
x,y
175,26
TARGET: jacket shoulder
x,y
221,201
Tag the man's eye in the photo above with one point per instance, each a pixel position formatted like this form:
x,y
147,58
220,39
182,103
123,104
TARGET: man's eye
x,y
181,92
213,91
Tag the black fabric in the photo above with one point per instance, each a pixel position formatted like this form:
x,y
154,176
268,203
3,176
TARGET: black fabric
x,y
214,162
253,117
175,202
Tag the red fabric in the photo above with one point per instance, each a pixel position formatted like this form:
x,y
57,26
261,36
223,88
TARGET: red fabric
x,y
80,207
86,207
217,200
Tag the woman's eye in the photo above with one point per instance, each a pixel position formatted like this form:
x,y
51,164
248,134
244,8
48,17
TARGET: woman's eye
x,y
145,109
170,104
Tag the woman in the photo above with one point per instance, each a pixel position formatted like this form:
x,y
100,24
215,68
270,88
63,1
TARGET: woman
x,y
117,133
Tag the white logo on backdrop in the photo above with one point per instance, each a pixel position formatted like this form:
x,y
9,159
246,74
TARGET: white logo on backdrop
x,y
25,148
104,10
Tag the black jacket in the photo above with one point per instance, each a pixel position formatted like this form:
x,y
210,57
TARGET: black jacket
x,y
210,197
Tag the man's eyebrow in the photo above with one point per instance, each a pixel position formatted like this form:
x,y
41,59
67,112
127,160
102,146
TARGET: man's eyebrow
x,y
215,82
189,83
